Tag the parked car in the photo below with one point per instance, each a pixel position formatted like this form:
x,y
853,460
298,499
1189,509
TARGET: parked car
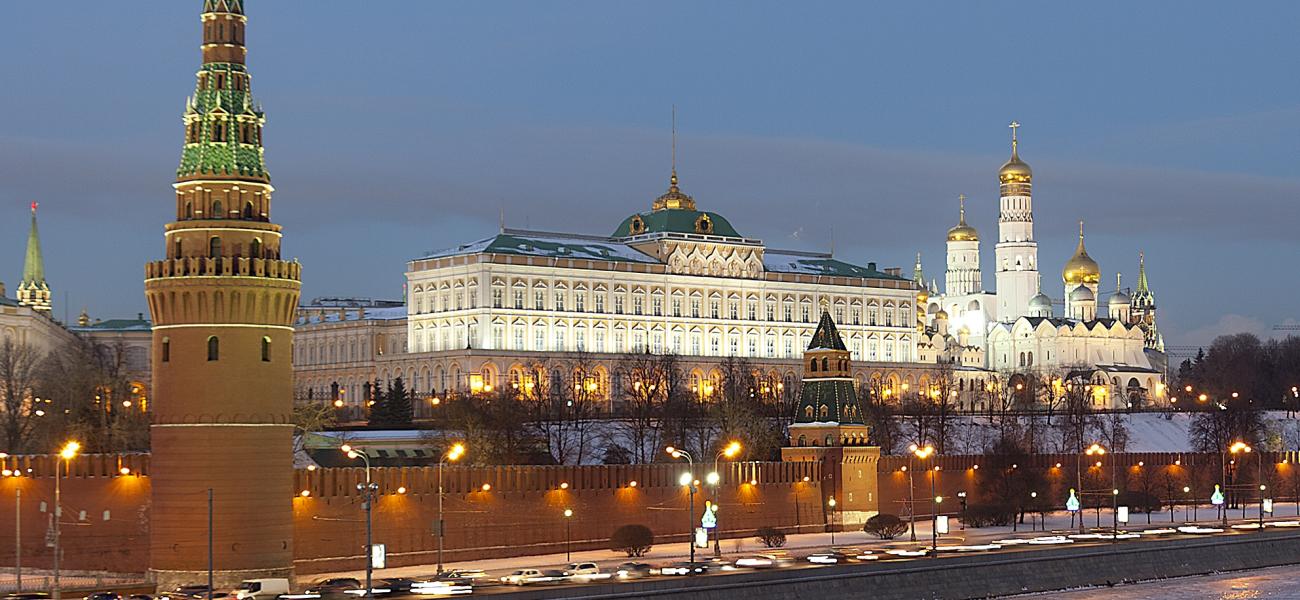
x,y
260,589
334,586
684,568
633,570
522,577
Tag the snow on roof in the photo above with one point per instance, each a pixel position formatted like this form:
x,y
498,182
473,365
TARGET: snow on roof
x,y
808,263
552,245
387,313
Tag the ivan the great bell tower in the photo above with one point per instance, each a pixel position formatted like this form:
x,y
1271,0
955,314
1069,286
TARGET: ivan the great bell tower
x,y
223,305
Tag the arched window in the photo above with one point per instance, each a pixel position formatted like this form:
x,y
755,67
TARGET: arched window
x,y
812,365
255,248
266,348
166,349
808,412
825,412
826,364
214,348
176,247
217,213
214,247
248,210
189,209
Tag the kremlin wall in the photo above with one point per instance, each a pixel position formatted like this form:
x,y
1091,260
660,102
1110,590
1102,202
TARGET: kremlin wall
x,y
520,511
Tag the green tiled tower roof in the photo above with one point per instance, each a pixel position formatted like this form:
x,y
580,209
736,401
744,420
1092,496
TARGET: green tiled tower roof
x,y
827,337
33,262
828,393
224,6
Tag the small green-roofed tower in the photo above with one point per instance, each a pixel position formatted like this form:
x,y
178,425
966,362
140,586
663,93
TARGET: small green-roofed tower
x,y
32,290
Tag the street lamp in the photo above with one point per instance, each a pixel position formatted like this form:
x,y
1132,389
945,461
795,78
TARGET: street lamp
x,y
1234,449
934,526
831,504
921,452
453,454
961,496
688,480
714,479
66,454
367,490
568,516
1094,450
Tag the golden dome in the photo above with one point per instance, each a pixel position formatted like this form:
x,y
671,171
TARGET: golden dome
x,y
963,232
1015,170
674,198
1081,268
942,314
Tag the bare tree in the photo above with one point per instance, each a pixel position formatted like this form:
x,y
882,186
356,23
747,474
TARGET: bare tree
x,y
739,413
644,387
17,380
310,416
562,409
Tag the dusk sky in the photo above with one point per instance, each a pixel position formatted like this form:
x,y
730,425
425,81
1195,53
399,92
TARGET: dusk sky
x,y
399,127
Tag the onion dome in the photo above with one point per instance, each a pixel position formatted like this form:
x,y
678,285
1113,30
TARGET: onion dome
x,y
1040,304
1081,268
1119,299
1082,294
942,314
963,232
1015,170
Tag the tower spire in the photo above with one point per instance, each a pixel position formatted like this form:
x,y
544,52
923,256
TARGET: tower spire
x,y
674,198
672,181
32,290
961,203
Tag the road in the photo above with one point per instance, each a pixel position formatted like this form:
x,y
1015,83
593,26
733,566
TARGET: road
x,y
1274,583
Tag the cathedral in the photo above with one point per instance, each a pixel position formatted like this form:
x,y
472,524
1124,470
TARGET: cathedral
x,y
1119,353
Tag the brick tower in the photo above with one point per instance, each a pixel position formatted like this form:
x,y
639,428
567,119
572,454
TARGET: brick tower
x,y
829,429
222,303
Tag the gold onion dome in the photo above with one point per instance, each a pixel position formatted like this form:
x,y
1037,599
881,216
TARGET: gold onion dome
x,y
1015,170
1081,268
963,232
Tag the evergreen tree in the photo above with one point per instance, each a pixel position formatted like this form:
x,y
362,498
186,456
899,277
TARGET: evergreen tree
x,y
379,414
397,406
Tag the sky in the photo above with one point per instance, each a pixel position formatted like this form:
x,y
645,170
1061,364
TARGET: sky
x,y
399,127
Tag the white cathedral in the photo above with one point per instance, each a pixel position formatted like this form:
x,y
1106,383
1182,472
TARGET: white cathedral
x,y
1120,353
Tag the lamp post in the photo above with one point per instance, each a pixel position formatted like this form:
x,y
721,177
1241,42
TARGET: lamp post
x,y
921,452
961,497
367,490
1094,450
831,515
688,480
934,525
568,516
66,454
714,479
1234,449
453,454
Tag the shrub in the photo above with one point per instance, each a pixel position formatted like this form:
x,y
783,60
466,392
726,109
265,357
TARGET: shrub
x,y
989,515
635,540
885,526
1139,502
771,537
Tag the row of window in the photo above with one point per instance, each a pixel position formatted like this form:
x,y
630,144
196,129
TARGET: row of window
x,y
678,306
246,133
214,349
217,211
545,338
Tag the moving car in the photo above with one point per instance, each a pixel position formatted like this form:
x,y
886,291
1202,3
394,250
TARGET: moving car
x,y
334,586
764,561
259,589
194,590
463,575
522,577
104,596
633,570
684,568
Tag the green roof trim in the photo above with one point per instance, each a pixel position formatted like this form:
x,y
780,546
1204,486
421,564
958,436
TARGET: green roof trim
x,y
675,220
223,117
831,401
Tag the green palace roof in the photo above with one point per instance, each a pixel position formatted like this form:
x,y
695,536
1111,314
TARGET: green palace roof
x,y
676,220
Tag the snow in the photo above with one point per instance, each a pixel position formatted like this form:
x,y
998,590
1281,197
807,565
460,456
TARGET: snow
x,y
554,245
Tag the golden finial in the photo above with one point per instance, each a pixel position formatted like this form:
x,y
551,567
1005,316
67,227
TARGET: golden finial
x,y
1080,231
825,304
672,181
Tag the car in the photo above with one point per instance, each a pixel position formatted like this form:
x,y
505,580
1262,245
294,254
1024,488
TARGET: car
x,y
463,575
633,570
334,586
551,576
522,577
584,572
684,568
194,590
764,561
833,557
104,596
396,586
258,589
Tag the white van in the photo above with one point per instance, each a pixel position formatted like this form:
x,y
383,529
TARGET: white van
x,y
261,589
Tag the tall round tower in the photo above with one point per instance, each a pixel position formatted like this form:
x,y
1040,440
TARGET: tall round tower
x,y
963,275
223,305
1016,251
